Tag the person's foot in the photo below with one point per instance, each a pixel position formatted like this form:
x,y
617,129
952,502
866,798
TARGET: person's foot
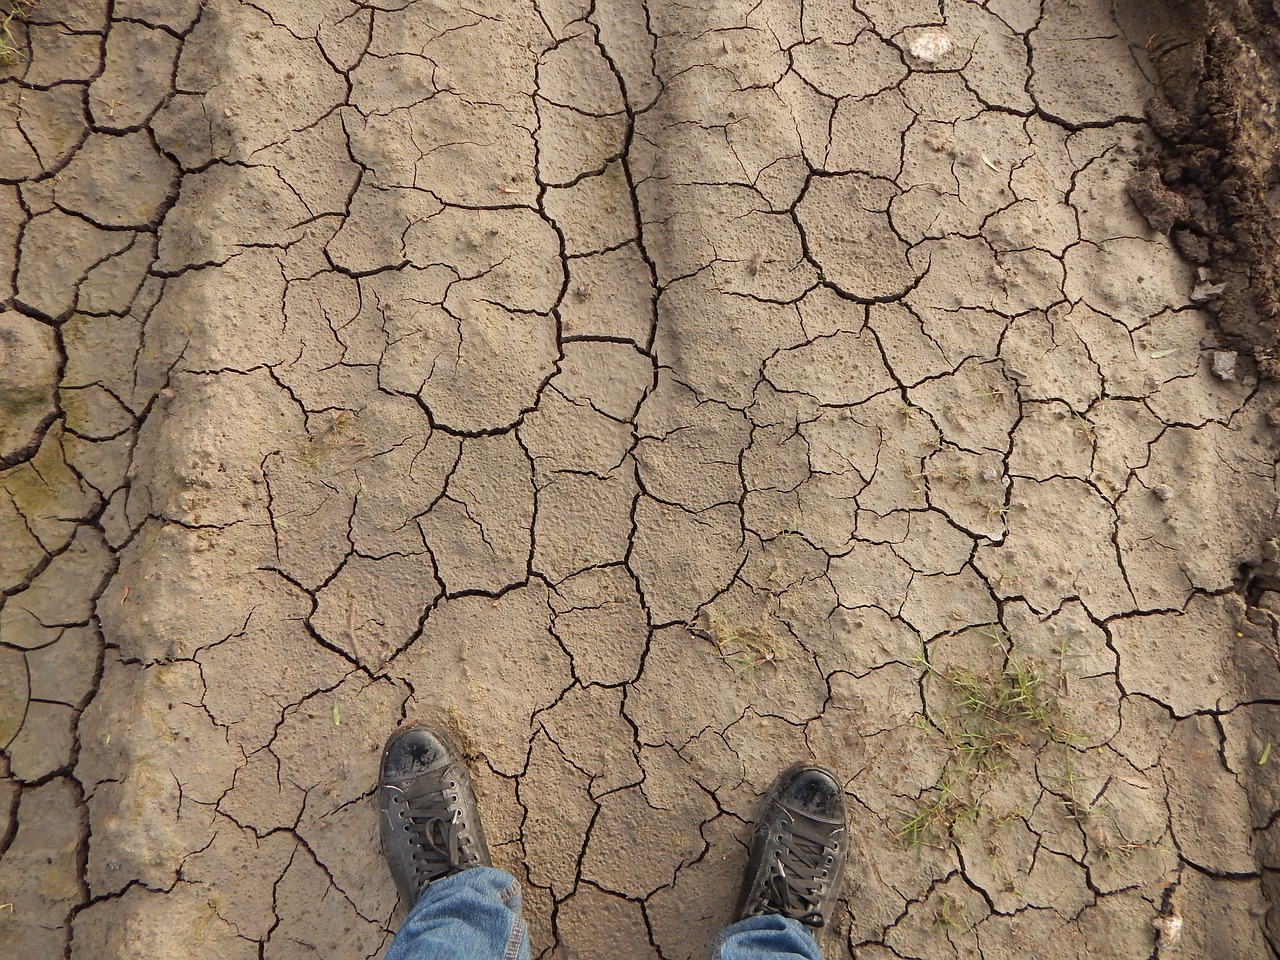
x,y
430,820
798,849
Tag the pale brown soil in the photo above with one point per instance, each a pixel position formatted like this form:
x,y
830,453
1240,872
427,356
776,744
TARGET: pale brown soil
x,y
656,394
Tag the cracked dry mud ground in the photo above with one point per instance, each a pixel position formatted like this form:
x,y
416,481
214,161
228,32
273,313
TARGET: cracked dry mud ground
x,y
655,394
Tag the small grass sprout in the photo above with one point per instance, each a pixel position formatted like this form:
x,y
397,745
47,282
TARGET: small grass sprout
x,y
11,11
745,646
992,393
950,913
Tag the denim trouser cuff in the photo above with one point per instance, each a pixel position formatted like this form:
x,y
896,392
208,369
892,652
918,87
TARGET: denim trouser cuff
x,y
475,915
766,937
472,915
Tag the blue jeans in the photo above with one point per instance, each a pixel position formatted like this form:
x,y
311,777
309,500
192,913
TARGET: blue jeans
x,y
475,915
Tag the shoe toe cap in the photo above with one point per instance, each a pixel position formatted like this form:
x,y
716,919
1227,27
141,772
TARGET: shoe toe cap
x,y
816,792
410,751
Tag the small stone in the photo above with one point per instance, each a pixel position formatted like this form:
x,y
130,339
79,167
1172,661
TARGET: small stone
x,y
1169,928
1204,292
1273,416
1224,364
930,46
1162,491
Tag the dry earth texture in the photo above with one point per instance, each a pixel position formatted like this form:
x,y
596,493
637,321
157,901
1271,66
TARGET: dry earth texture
x,y
656,393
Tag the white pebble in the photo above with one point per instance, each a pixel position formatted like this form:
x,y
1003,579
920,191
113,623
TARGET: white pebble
x,y
1170,929
930,46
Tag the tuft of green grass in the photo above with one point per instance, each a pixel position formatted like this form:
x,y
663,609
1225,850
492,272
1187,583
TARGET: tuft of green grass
x,y
996,711
1084,426
1112,846
943,813
10,11
988,717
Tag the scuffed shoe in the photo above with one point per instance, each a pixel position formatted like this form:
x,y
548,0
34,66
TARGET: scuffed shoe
x,y
430,820
798,849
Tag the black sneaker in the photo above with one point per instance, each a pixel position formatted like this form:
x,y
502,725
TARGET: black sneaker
x,y
430,821
798,850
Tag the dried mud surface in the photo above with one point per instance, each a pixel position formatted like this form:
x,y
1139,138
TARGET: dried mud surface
x,y
655,393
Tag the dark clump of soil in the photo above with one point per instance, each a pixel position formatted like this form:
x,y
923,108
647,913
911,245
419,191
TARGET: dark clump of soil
x,y
1215,187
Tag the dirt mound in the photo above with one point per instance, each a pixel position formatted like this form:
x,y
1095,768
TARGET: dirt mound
x,y
1215,189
